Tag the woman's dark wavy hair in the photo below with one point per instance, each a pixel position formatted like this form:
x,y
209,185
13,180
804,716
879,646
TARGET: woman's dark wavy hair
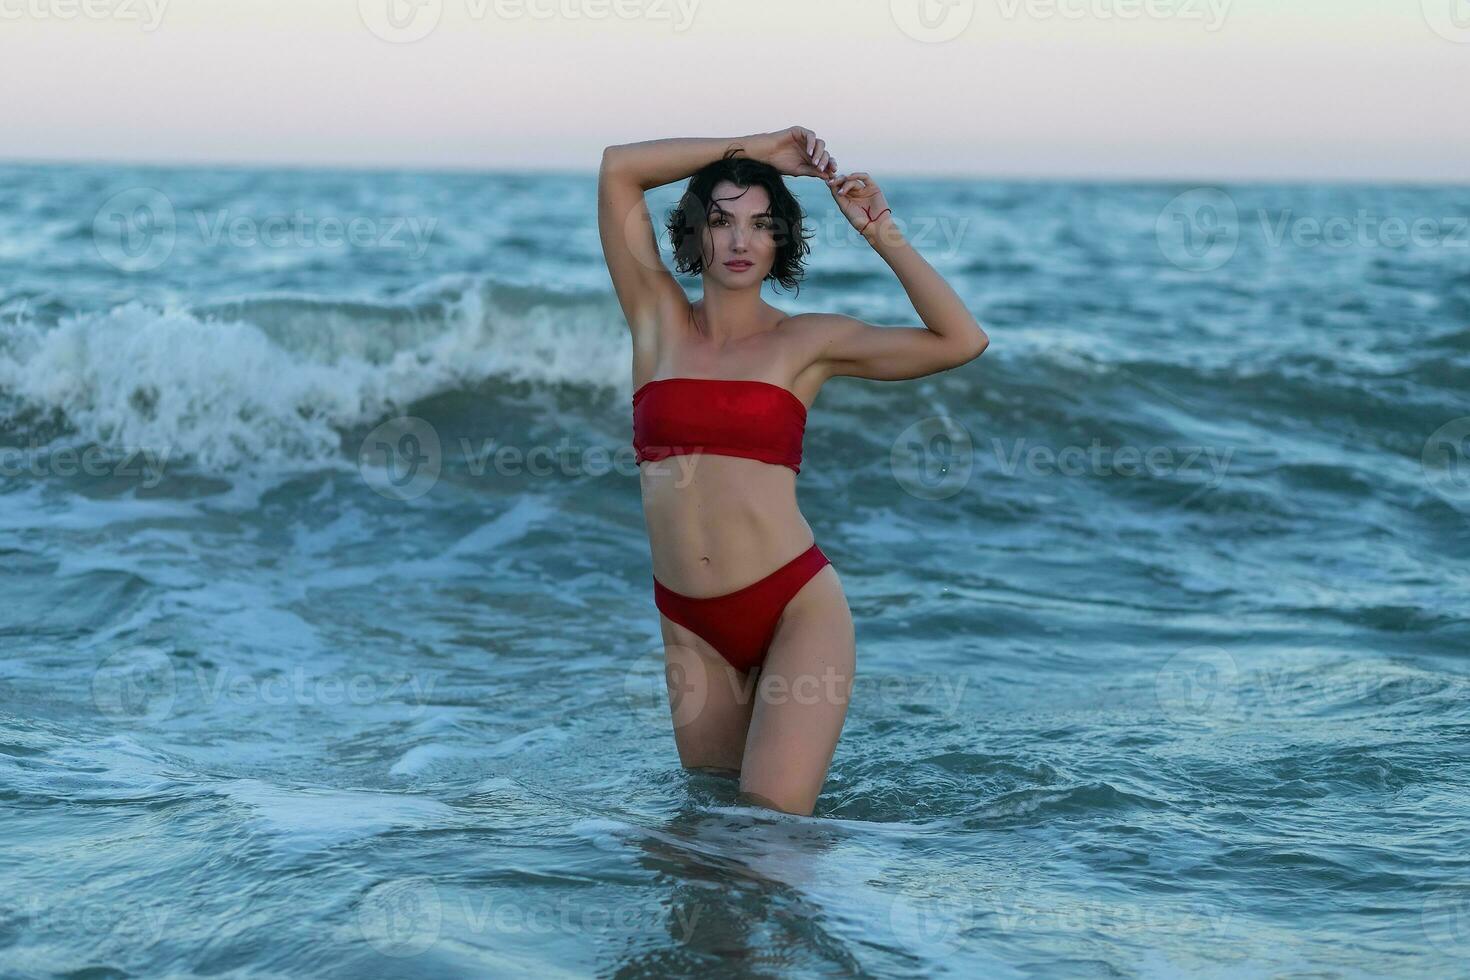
x,y
688,221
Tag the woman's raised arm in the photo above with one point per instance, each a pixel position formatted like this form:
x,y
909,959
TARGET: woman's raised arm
x,y
950,336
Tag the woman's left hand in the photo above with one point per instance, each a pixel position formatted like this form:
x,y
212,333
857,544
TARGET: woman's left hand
x,y
859,199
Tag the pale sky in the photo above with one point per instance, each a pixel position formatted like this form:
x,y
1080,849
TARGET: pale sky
x,y
1183,89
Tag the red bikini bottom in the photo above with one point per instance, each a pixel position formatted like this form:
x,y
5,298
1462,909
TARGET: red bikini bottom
x,y
741,624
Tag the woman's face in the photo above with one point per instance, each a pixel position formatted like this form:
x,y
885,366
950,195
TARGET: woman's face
x,y
740,238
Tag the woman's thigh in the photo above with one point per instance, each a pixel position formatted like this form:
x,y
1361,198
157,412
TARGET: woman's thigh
x,y
710,702
801,699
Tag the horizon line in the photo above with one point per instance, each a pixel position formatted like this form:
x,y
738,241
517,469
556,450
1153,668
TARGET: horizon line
x,y
563,171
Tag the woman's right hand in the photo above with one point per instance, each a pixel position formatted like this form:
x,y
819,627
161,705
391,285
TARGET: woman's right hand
x,y
796,152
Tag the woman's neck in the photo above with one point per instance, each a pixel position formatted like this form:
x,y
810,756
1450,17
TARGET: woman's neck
x,y
723,317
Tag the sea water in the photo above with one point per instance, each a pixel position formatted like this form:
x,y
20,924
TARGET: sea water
x,y
328,647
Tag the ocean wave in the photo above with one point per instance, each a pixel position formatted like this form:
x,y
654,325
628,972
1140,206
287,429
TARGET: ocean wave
x,y
283,380
278,379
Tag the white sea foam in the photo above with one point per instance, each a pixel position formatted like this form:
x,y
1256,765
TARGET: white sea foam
x,y
322,817
421,757
277,380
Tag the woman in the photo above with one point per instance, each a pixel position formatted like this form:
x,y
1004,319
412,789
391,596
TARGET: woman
x,y
721,391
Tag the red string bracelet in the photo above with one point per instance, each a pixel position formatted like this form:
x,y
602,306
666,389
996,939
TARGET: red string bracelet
x,y
872,219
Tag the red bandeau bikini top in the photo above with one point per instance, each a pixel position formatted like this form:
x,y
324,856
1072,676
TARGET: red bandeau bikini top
x,y
723,417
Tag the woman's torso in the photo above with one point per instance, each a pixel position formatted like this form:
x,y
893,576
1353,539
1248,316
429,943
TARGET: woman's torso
x,y
716,523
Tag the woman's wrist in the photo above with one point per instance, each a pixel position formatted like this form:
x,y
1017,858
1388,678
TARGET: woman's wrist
x,y
880,228
871,217
758,146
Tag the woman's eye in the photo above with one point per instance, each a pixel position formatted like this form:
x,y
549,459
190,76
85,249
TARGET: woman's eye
x,y
721,222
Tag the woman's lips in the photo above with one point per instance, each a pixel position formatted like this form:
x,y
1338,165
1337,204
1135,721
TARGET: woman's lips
x,y
738,264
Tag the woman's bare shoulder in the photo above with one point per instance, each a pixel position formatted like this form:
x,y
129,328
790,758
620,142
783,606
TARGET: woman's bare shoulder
x,y
805,338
